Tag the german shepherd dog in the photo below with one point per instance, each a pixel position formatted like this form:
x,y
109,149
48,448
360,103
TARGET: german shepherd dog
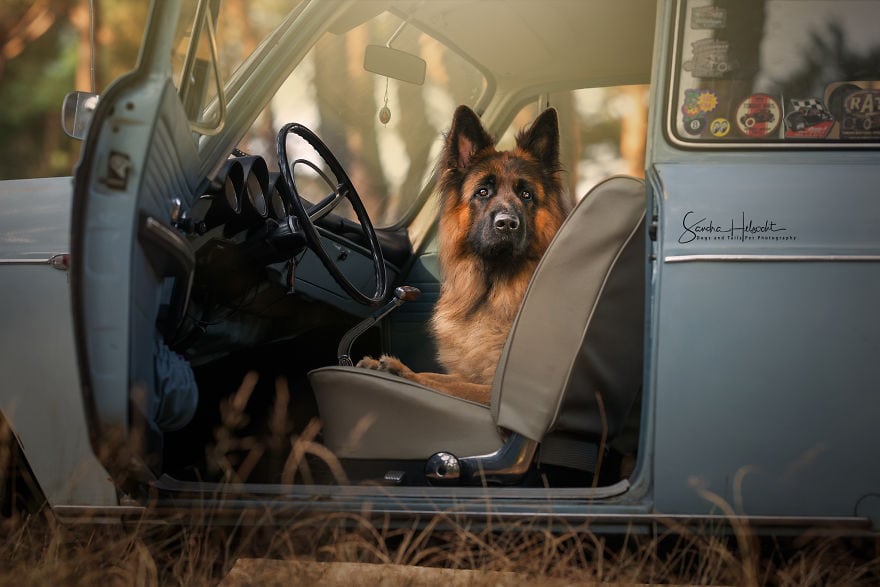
x,y
499,211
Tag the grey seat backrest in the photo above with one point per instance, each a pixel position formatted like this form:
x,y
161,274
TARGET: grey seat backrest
x,y
572,365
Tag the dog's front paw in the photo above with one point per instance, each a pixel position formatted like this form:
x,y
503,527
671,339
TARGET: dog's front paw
x,y
385,363
369,362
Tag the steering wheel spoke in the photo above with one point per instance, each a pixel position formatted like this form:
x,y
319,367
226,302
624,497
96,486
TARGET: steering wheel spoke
x,y
341,188
327,204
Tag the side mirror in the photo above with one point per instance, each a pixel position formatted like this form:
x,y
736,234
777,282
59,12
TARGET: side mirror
x,y
76,113
395,63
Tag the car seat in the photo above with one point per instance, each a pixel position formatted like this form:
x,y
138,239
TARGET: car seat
x,y
568,374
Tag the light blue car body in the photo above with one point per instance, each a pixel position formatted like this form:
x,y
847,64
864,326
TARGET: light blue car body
x,y
762,350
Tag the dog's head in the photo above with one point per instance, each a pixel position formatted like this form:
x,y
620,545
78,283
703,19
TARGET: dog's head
x,y
502,206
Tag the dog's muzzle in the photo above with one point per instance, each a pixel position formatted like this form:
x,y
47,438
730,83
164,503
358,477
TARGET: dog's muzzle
x,y
506,223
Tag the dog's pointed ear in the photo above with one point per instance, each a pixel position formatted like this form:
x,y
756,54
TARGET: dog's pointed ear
x,y
541,139
466,138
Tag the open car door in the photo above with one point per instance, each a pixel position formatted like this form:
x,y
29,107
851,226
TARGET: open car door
x,y
130,282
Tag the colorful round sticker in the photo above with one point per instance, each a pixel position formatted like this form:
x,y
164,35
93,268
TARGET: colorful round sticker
x,y
696,104
694,126
758,116
719,127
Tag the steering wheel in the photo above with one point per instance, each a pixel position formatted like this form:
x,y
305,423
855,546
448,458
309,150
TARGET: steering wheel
x,y
342,188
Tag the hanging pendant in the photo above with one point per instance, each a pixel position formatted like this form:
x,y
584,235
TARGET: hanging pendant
x,y
384,115
385,111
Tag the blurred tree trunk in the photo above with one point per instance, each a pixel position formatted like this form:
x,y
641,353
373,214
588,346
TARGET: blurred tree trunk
x,y
570,145
414,118
79,17
634,130
44,53
26,28
348,109
236,16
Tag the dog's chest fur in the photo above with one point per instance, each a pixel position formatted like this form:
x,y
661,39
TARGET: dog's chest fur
x,y
472,320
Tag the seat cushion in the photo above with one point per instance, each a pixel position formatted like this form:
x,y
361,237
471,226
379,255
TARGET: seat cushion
x,y
373,415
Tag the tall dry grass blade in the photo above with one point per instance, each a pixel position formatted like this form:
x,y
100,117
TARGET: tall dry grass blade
x,y
278,420
233,417
7,485
305,444
741,530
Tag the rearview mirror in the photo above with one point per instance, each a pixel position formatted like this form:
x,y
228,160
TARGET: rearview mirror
x,y
76,113
395,63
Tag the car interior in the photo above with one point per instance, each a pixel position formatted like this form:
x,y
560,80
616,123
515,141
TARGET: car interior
x,y
567,382
286,226
291,259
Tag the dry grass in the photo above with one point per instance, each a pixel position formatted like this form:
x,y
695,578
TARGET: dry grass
x,y
36,550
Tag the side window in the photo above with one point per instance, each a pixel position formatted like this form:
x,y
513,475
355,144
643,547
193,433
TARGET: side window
x,y
748,74
211,42
602,133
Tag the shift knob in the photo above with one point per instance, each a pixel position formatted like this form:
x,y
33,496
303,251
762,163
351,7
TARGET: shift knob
x,y
402,294
407,293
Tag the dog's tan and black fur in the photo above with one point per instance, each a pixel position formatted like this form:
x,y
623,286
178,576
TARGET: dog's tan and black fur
x,y
499,212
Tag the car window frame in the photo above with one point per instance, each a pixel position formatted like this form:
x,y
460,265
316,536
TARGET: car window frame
x,y
670,101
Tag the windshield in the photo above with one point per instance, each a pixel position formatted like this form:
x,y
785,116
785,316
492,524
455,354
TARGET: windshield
x,y
776,72
386,132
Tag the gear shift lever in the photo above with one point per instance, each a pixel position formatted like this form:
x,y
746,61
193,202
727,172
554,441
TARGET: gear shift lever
x,y
404,293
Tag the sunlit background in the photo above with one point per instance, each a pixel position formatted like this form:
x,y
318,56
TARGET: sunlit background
x,y
45,53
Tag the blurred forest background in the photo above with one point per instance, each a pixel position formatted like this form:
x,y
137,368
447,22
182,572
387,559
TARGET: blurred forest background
x,y
44,53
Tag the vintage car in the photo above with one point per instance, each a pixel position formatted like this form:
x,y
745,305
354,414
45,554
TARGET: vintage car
x,y
751,119
697,345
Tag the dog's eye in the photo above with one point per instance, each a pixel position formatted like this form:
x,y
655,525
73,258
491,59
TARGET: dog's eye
x,y
483,193
525,195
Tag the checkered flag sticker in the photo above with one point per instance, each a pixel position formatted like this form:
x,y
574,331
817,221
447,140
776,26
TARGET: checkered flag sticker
x,y
808,104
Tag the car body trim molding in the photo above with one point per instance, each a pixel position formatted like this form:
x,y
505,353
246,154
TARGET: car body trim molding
x,y
832,524
58,261
772,258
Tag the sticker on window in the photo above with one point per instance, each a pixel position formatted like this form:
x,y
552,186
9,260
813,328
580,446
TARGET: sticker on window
x,y
807,119
697,103
856,107
758,116
708,17
710,59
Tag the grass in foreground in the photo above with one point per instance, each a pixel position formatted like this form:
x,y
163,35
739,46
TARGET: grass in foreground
x,y
36,550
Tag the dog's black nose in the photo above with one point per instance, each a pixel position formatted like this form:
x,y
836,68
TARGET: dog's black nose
x,y
505,222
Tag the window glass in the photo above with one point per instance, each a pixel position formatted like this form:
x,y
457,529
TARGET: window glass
x,y
602,133
777,71
231,29
386,133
